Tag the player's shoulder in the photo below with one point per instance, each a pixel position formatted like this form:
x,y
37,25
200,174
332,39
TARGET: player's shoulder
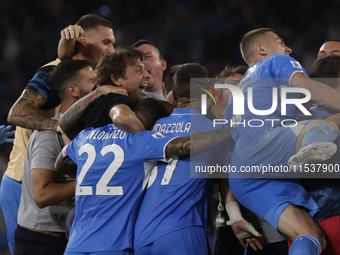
x,y
51,64
46,134
116,99
277,58
47,139
146,134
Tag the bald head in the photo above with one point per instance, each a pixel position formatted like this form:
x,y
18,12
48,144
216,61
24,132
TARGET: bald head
x,y
331,47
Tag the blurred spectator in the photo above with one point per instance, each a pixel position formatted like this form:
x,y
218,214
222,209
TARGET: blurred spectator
x,y
186,31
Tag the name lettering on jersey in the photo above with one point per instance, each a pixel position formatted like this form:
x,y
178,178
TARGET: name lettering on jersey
x,y
102,135
181,127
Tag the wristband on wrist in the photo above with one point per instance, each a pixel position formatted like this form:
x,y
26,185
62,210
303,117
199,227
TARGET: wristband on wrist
x,y
59,129
234,212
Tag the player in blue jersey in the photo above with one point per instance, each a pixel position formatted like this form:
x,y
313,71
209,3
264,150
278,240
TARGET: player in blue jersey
x,y
110,174
173,215
272,144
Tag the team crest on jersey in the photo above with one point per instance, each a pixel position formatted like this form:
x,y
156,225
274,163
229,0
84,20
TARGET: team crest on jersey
x,y
296,64
158,135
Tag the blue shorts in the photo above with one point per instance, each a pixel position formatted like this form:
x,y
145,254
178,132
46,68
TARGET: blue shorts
x,y
189,241
269,147
269,197
10,194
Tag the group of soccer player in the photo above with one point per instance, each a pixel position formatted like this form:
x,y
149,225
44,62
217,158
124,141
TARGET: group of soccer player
x,y
97,169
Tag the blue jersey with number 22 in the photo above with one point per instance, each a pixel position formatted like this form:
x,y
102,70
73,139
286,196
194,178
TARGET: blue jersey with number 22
x,y
109,185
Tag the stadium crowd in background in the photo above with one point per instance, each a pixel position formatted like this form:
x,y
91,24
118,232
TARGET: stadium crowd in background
x,y
180,34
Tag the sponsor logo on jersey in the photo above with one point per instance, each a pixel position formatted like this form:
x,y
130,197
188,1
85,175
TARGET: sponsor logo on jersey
x,y
158,135
296,64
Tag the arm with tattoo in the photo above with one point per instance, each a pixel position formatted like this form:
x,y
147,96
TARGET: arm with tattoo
x,y
24,112
71,121
198,142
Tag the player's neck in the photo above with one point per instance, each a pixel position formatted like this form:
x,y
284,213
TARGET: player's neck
x,y
189,103
67,103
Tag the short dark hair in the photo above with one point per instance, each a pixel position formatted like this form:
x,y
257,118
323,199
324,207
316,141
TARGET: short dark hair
x,y
115,63
67,71
228,70
169,80
90,21
144,41
182,77
247,41
326,67
149,110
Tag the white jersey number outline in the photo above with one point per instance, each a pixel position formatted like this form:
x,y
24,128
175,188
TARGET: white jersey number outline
x,y
169,170
102,187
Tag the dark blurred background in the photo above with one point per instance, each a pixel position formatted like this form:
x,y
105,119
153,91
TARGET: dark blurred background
x,y
201,31
186,30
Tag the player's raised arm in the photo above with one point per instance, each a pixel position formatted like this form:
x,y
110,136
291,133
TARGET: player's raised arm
x,y
198,142
125,119
24,112
67,42
320,93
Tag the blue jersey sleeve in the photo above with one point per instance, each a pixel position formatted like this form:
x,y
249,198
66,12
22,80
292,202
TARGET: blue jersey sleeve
x,y
150,145
283,66
39,84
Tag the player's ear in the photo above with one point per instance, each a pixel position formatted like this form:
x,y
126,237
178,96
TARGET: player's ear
x,y
260,49
82,39
164,64
115,80
73,91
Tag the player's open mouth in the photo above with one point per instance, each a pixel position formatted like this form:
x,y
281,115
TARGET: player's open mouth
x,y
142,88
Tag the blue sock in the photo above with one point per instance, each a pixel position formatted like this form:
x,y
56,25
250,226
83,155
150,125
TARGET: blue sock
x,y
319,132
304,245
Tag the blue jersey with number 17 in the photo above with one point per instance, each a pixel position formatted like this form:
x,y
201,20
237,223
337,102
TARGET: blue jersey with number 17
x,y
109,185
174,200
